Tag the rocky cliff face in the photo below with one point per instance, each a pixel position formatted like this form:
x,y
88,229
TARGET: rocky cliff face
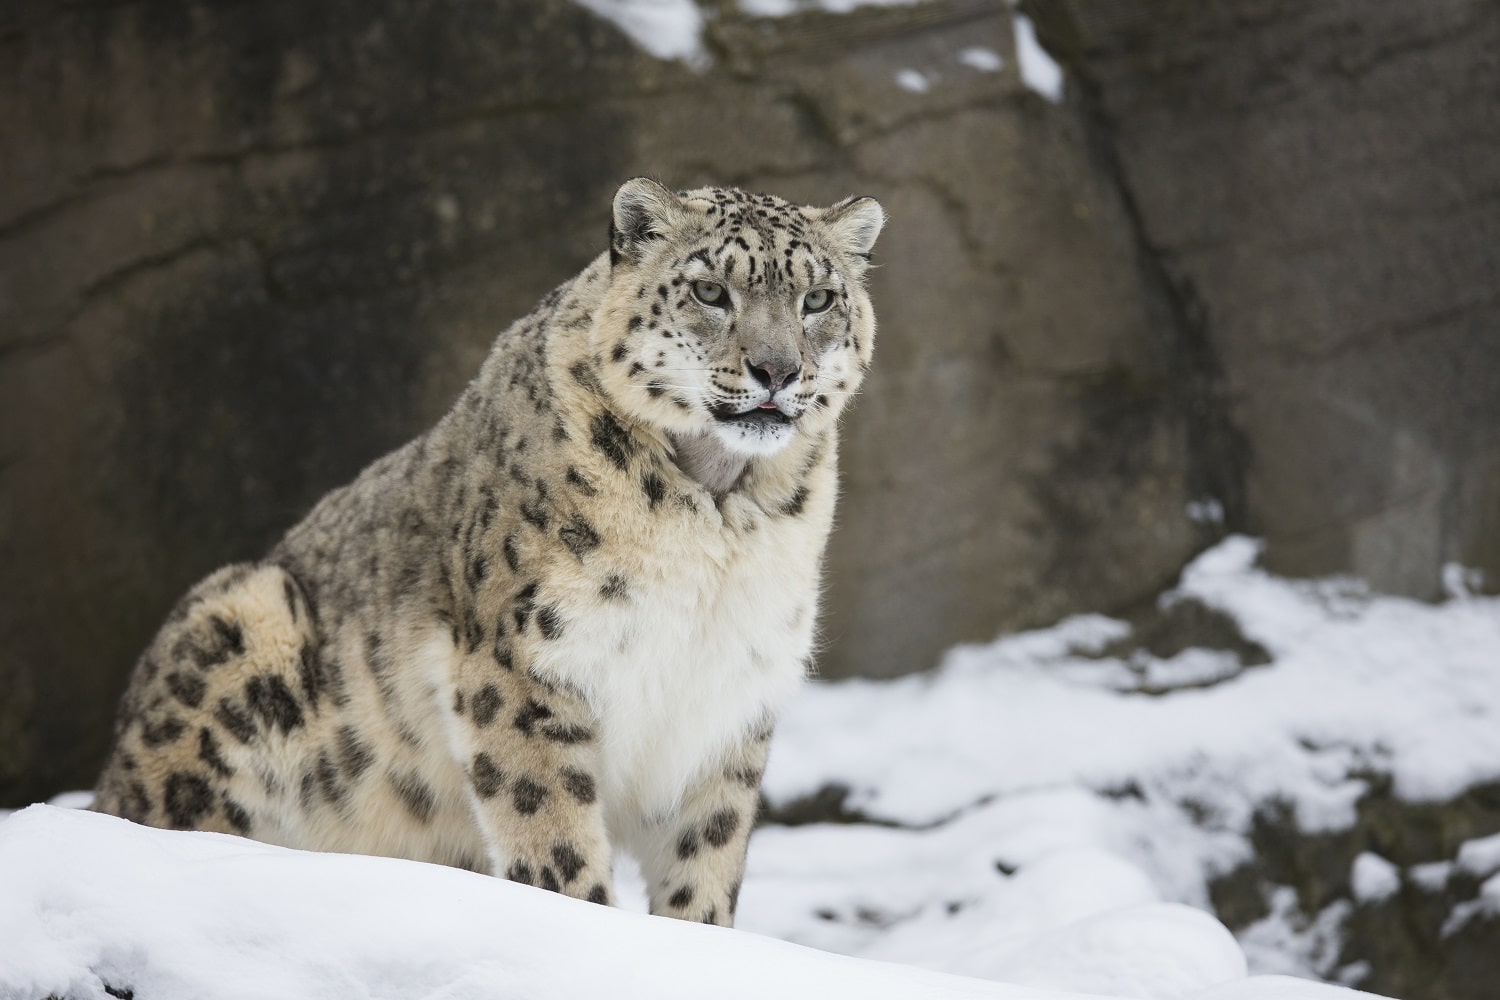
x,y
245,249
1319,183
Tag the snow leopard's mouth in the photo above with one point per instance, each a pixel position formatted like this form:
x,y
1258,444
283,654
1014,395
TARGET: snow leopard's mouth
x,y
762,416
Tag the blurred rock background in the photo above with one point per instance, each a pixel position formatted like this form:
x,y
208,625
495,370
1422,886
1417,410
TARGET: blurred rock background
x,y
1244,275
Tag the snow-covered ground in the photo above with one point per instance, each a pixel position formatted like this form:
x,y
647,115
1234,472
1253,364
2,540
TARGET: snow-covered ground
x,y
94,907
1033,782
1041,813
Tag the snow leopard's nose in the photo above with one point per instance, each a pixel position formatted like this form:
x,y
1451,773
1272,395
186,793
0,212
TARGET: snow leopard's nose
x,y
773,373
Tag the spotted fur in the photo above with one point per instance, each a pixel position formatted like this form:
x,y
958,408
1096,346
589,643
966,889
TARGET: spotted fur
x,y
562,622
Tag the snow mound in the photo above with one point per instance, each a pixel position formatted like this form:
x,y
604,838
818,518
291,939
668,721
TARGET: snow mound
x,y
94,903
95,907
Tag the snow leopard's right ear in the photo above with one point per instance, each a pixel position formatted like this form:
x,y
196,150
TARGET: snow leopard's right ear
x,y
853,223
644,211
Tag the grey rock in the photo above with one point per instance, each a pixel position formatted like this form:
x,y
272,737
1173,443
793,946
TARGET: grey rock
x,y
1320,181
246,249
249,248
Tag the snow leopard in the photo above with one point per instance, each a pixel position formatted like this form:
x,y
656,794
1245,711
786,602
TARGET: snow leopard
x,y
562,622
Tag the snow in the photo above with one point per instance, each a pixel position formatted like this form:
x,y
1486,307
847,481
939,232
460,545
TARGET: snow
x,y
1038,69
1487,902
785,8
1120,952
92,901
1373,878
1038,744
1462,581
1480,857
94,904
1026,815
1206,510
72,800
1431,876
981,59
1285,941
1276,988
1360,683
667,29
910,79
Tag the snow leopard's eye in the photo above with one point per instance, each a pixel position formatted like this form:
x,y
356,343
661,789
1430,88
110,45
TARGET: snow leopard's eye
x,y
817,300
711,293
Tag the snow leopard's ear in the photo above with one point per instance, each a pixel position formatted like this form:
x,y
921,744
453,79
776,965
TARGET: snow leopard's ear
x,y
853,224
644,211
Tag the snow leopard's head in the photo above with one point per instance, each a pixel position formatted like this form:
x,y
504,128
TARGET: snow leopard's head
x,y
734,316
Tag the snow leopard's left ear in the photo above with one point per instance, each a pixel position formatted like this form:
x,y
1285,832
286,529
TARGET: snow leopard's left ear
x,y
853,224
643,211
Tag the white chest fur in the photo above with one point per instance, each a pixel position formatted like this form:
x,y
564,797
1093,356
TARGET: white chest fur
x,y
709,642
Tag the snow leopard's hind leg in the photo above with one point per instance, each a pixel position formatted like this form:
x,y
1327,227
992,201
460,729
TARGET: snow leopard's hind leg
x,y
219,707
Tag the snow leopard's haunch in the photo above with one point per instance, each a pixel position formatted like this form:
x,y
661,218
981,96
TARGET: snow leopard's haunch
x,y
563,621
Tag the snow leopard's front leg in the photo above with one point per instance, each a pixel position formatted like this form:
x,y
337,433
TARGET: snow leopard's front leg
x,y
530,751
697,861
